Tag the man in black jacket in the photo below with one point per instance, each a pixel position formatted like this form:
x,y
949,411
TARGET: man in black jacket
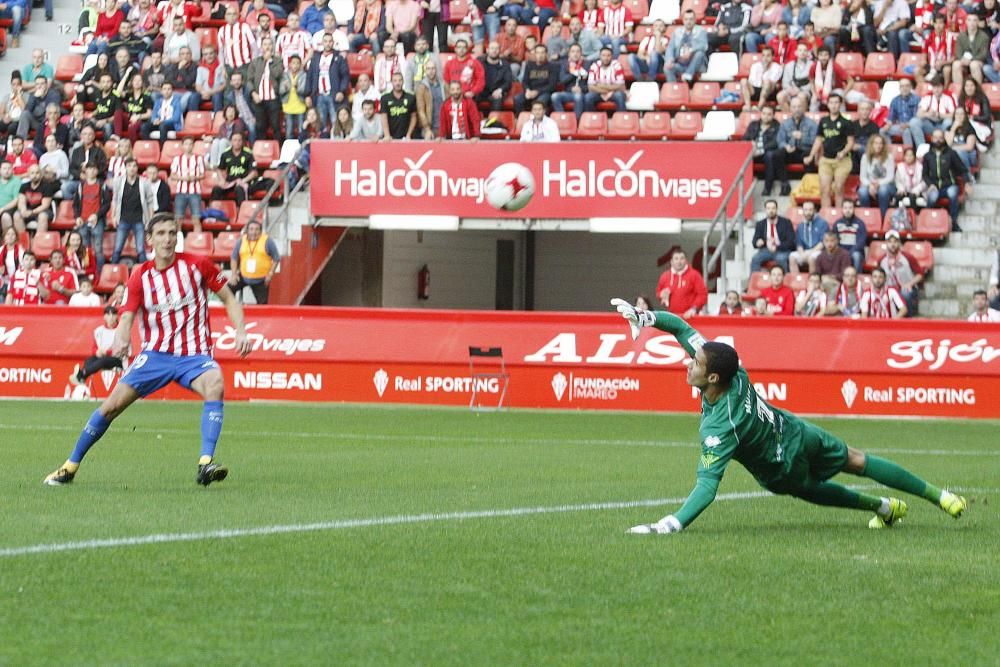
x,y
942,169
774,238
764,135
731,27
33,115
539,78
85,153
499,77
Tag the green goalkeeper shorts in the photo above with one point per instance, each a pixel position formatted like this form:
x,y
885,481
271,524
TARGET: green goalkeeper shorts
x,y
820,456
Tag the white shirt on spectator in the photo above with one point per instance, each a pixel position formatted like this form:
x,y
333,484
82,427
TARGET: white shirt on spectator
x,y
611,75
897,11
757,73
79,299
944,105
989,316
545,131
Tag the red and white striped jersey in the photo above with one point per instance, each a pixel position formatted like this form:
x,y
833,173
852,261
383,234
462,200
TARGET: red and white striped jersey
x,y
881,305
939,48
188,165
651,42
607,76
266,89
24,287
590,18
944,105
291,44
116,167
168,11
237,45
616,21
174,304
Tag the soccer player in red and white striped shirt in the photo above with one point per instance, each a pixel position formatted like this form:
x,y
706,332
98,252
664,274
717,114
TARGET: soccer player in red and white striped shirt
x,y
616,20
880,301
293,41
605,82
237,43
186,171
169,296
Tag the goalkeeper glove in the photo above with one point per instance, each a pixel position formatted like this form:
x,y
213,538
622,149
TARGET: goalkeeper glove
x,y
636,317
668,524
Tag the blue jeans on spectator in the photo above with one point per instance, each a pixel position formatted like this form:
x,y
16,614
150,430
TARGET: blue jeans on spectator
x,y
764,255
278,11
752,42
831,43
490,27
69,188
990,73
326,109
187,202
885,194
121,236
520,13
94,237
903,130
899,41
646,70
969,158
97,46
164,128
561,98
591,100
951,192
48,10
857,258
293,124
16,14
357,40
616,43
912,299
696,65
921,128
190,100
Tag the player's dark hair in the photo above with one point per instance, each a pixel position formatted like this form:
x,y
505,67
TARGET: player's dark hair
x,y
157,219
979,292
878,269
722,360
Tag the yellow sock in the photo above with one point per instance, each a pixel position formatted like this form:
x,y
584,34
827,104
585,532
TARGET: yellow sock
x,y
71,467
204,460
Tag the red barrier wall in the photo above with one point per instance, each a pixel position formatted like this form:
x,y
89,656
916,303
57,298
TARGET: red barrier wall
x,y
555,360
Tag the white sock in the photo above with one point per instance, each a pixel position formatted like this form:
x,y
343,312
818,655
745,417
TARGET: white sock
x,y
883,511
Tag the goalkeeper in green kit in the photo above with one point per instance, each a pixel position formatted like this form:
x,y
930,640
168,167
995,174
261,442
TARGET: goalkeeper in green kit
x,y
786,454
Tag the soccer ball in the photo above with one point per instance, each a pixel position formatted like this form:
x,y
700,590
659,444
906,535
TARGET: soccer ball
x,y
510,187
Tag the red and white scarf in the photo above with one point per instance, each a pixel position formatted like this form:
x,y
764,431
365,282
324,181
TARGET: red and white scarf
x,y
823,81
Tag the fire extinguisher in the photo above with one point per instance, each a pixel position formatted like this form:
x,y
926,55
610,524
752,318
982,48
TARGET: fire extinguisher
x,y
424,283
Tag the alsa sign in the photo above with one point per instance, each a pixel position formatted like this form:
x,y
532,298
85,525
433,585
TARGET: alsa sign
x,y
654,180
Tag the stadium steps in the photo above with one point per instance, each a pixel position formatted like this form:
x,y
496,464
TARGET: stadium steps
x,y
40,34
962,265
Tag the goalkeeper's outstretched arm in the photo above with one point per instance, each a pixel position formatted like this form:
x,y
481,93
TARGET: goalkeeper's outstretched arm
x,y
686,335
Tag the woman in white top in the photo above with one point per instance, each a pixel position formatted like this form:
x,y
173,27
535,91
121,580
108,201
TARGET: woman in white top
x,y
962,138
910,184
54,158
878,171
826,18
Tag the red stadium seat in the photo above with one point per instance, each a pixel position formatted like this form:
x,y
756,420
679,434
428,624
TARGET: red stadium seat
x,y
853,63
199,243
831,214
624,125
796,281
879,66
674,96
869,89
909,61
592,125
265,152
922,251
746,60
702,95
932,224
992,91
685,125
522,120
743,122
734,87
44,243
654,126
207,36
872,217
887,222
566,122
228,207
526,30
225,242
639,9
64,216
111,276
247,210
876,251
170,149
146,153
758,280
68,66
459,10
626,64
69,91
197,124
794,215
504,118
360,63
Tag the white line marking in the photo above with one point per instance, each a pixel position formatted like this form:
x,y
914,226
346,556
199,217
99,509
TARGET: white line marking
x,y
341,524
352,523
390,437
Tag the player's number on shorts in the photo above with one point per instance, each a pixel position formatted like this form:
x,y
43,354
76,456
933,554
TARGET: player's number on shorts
x,y
139,362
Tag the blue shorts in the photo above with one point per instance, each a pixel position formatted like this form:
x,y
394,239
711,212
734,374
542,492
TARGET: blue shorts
x,y
152,371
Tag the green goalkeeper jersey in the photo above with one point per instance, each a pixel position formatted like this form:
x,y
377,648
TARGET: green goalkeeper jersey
x,y
740,425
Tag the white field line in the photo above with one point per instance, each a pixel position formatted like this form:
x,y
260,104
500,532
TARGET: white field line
x,y
474,439
341,524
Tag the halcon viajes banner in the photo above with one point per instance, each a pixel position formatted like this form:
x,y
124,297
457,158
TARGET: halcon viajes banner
x,y
555,360
571,180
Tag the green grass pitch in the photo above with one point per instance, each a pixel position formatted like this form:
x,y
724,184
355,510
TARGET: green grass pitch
x,y
441,537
